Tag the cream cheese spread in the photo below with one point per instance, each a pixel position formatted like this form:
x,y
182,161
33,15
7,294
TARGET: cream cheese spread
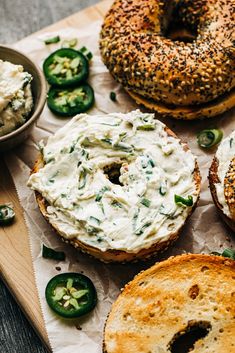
x,y
110,181
16,99
224,155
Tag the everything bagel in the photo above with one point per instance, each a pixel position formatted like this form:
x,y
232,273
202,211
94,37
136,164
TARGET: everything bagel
x,y
222,180
135,48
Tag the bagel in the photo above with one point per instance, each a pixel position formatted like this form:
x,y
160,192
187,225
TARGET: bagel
x,y
107,185
171,299
182,79
222,180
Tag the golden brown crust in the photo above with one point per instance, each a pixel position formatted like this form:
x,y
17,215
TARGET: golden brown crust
x,y
119,255
214,179
229,188
195,78
208,110
164,300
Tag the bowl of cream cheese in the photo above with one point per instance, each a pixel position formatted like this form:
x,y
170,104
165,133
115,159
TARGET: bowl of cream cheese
x,y
22,96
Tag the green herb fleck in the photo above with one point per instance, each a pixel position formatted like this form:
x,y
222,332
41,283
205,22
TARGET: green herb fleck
x,y
141,229
92,230
82,179
49,253
52,40
101,193
146,127
229,253
113,96
145,202
95,220
117,204
7,214
123,146
183,201
209,138
163,190
107,140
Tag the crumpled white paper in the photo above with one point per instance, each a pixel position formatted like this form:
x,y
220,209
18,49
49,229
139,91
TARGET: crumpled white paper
x,y
204,232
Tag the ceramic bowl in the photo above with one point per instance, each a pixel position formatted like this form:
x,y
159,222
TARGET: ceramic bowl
x,y
39,92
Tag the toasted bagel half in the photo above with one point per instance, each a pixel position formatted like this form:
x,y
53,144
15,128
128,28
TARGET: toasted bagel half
x,y
164,304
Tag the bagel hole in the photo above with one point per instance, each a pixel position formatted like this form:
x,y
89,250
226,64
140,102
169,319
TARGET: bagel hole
x,y
183,341
176,32
113,173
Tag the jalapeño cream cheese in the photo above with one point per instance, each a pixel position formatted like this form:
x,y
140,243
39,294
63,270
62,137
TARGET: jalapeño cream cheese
x,y
225,153
111,180
16,99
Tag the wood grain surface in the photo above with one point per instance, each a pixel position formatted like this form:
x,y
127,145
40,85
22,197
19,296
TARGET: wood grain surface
x,y
19,18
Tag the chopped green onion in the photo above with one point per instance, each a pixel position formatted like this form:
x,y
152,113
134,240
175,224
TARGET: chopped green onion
x,y
229,253
113,96
101,193
94,219
71,43
107,140
92,230
145,202
183,201
146,123
141,229
117,204
49,253
146,127
123,146
209,138
7,214
162,190
82,179
52,40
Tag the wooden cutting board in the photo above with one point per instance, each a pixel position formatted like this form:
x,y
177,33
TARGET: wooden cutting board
x,y
16,266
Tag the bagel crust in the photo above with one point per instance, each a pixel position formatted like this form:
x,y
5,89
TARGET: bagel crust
x,y
171,298
222,180
167,74
140,226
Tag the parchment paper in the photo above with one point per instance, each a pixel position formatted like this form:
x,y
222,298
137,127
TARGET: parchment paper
x,y
205,232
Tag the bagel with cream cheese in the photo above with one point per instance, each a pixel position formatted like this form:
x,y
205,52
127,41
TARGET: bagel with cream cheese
x,y
163,305
119,186
182,79
222,180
